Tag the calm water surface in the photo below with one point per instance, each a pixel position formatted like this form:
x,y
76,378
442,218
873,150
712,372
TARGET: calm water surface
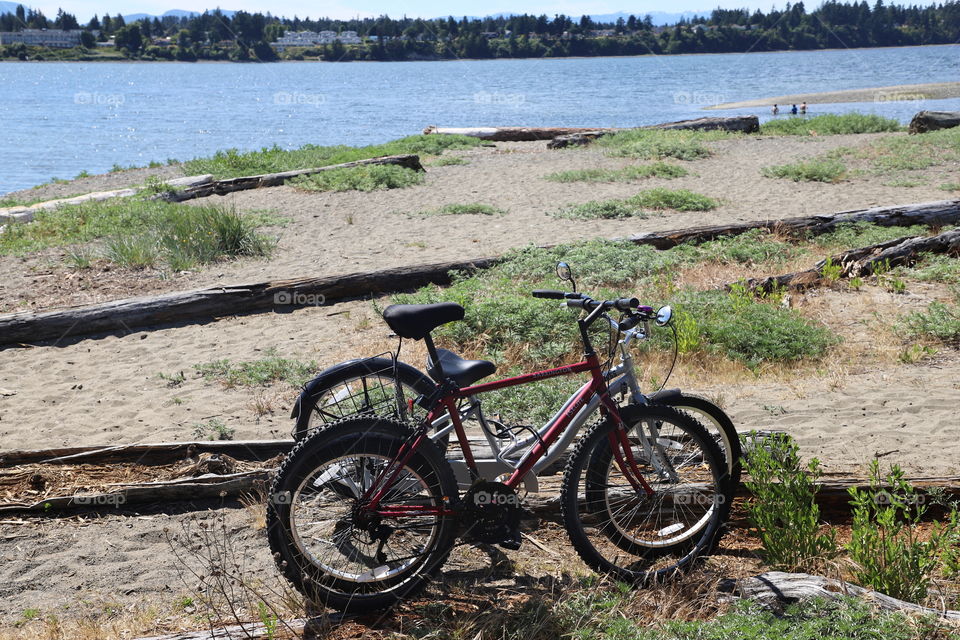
x,y
63,118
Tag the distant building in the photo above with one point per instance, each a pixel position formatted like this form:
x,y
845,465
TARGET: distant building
x,y
312,38
56,38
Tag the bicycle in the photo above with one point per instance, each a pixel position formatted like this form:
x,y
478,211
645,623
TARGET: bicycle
x,y
363,513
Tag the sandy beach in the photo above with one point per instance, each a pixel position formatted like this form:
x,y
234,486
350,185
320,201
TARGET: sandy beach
x,y
895,93
861,401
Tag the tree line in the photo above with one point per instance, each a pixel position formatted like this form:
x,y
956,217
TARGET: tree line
x,y
248,36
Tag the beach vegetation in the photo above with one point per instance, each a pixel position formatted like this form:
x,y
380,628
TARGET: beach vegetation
x,y
446,161
783,510
213,429
850,235
815,170
362,178
263,372
657,144
940,322
934,267
626,174
950,186
232,163
830,124
639,206
469,208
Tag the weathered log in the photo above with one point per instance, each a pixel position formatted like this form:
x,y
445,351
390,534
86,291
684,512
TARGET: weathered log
x,y
511,134
738,124
214,302
229,185
775,589
862,261
248,631
148,453
926,121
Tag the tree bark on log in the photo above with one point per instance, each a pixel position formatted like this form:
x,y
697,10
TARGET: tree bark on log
x,y
229,185
775,589
863,261
926,121
214,302
148,453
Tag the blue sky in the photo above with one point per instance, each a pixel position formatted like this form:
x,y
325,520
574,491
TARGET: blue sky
x,y
84,9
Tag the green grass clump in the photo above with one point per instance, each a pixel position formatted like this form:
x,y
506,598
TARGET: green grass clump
x,y
363,178
140,233
830,124
213,429
815,170
505,323
637,206
471,208
852,235
447,161
950,186
233,163
756,246
626,174
939,322
654,144
935,268
258,373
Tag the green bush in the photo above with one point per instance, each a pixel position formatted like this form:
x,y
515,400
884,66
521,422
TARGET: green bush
x,y
830,124
627,174
232,163
783,509
940,321
935,268
851,235
654,144
810,171
885,543
256,373
363,178
471,208
657,199
132,251
753,247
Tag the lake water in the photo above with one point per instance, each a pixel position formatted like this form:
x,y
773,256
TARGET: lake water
x,y
63,118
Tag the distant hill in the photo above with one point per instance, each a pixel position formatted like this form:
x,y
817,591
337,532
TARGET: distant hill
x,y
10,7
177,13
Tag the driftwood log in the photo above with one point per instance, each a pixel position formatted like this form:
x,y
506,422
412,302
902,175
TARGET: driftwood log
x,y
775,589
214,302
229,185
862,261
926,121
736,124
148,453
511,134
249,631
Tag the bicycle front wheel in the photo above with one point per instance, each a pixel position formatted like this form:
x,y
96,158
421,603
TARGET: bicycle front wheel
x,y
337,552
643,503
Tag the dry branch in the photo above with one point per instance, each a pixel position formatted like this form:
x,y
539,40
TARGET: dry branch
x,y
775,589
223,187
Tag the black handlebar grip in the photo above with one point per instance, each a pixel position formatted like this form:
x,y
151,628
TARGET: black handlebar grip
x,y
625,304
548,293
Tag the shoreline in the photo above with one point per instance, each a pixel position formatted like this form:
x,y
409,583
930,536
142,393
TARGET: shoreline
x,y
891,93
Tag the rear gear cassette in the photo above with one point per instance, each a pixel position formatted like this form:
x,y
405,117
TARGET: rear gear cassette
x,y
491,512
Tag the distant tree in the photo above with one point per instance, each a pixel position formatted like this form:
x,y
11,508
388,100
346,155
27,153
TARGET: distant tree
x,y
88,40
129,39
21,15
94,24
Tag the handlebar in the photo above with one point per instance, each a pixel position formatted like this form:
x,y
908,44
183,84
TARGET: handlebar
x,y
556,295
583,301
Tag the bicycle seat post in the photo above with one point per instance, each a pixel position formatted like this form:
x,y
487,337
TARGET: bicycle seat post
x,y
434,356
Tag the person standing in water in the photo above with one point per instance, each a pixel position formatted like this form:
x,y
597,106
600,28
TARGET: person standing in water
x,y
803,109
775,110
793,109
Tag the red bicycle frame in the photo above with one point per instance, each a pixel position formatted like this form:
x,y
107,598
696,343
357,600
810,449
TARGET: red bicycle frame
x,y
448,403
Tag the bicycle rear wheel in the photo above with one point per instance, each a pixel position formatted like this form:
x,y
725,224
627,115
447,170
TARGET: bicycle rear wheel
x,y
640,533
337,553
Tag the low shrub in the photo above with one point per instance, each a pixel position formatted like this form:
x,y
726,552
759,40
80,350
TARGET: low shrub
x,y
656,144
809,171
830,124
940,321
657,199
783,508
626,174
471,208
256,373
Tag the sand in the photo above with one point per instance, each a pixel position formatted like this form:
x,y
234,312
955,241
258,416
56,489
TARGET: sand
x,y
895,93
859,403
